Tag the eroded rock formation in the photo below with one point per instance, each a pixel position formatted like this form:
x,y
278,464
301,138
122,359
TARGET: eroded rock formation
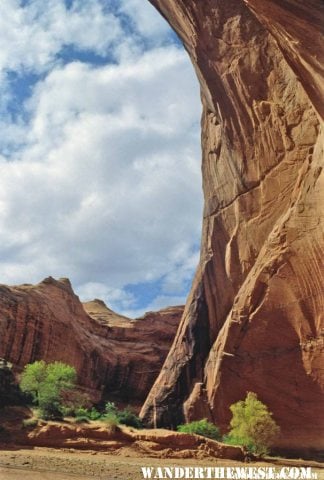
x,y
114,356
254,317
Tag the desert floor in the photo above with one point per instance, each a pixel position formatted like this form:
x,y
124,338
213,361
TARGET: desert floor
x,y
41,463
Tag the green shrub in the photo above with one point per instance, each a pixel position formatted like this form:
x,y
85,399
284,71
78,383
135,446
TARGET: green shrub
x,y
201,427
30,423
47,384
94,414
67,411
111,409
111,422
252,425
126,417
81,412
110,418
49,402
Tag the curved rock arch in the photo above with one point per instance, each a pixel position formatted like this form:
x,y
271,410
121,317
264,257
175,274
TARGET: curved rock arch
x,y
253,320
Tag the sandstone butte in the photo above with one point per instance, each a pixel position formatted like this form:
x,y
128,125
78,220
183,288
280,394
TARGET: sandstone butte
x,y
254,318
115,357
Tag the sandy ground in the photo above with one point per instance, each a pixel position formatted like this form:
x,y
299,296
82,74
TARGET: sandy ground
x,y
16,474
50,464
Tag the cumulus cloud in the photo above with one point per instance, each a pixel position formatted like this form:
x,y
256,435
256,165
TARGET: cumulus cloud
x,y
125,300
145,19
100,171
33,35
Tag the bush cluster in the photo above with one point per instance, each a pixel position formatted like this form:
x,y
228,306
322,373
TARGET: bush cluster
x,y
83,412
124,417
201,427
252,426
52,388
111,416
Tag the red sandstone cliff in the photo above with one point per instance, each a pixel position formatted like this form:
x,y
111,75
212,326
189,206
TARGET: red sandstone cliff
x,y
254,317
113,355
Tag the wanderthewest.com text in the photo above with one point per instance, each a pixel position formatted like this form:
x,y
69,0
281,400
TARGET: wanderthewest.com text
x,y
231,473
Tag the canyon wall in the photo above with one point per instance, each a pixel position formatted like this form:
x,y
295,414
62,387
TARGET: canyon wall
x,y
254,318
115,357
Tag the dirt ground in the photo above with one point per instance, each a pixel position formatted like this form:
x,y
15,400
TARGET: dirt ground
x,y
41,463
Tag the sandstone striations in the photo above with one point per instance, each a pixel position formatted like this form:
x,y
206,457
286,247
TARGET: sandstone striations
x,y
254,317
115,357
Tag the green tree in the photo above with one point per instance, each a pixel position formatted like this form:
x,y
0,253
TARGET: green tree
x,y
32,378
47,384
252,425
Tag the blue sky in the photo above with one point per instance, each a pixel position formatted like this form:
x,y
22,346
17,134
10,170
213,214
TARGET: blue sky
x,y
99,151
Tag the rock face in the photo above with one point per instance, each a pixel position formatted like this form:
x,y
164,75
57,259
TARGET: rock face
x,y
254,317
114,356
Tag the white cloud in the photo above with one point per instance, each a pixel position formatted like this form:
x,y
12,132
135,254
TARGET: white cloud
x,y
33,35
181,272
92,290
145,19
103,182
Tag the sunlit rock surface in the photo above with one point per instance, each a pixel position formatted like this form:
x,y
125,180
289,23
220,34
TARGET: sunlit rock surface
x,y
254,317
115,357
